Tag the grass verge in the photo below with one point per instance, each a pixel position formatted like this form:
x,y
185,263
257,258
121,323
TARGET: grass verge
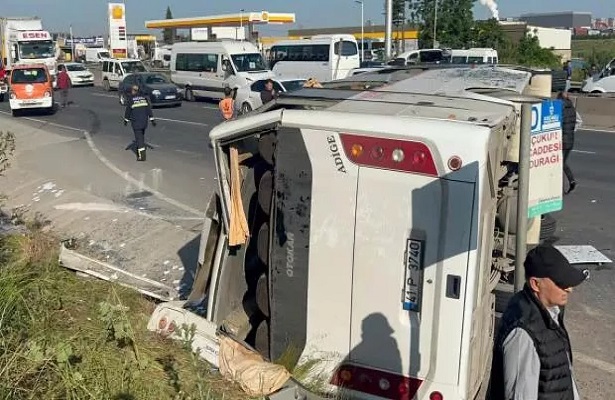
x,y
62,337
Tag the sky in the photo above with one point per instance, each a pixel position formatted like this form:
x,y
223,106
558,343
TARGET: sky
x,y
89,17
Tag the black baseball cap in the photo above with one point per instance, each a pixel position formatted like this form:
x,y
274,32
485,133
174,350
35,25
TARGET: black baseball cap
x,y
545,261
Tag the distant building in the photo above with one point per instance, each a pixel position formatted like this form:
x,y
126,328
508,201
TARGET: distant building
x,y
565,20
558,40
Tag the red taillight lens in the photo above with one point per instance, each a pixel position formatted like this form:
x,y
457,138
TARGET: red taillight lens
x,y
377,383
436,396
392,154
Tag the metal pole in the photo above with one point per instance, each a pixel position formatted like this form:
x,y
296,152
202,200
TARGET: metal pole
x,y
388,35
435,23
240,24
403,30
523,194
362,29
72,44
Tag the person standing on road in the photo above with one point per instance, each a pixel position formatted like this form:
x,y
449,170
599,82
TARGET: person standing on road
x,y
532,356
227,104
569,125
568,69
138,112
63,83
269,93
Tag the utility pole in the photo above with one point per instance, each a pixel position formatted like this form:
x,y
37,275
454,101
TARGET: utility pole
x,y
72,44
388,35
435,23
362,29
403,29
240,23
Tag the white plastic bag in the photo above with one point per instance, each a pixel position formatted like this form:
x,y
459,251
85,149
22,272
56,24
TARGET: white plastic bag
x,y
579,121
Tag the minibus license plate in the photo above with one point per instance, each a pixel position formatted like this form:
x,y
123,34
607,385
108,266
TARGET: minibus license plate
x,y
413,276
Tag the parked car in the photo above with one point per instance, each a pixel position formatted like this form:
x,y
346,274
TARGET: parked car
x,y
249,97
114,71
79,75
369,66
160,90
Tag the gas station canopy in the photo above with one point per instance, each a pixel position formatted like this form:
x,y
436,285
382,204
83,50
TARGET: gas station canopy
x,y
247,18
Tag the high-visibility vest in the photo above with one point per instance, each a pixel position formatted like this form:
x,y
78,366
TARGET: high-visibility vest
x,y
227,107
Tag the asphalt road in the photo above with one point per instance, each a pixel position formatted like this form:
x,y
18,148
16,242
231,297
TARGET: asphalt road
x,y
587,218
181,156
184,173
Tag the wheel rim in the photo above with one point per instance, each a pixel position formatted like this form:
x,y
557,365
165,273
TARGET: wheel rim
x,y
246,108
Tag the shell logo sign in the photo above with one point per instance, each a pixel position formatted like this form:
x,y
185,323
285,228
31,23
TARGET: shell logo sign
x,y
117,11
264,16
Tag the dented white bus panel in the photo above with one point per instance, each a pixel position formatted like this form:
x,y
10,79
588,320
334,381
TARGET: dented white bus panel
x,y
370,267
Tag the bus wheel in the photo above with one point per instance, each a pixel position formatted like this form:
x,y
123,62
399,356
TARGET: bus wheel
x,y
261,339
262,295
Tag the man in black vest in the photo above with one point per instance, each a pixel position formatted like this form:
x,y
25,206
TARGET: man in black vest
x,y
532,358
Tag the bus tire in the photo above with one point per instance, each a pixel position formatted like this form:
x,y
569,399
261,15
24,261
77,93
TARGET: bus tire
x,y
262,295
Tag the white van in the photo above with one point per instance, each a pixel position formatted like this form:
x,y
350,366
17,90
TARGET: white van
x,y
604,82
96,55
323,57
115,70
422,56
206,68
474,56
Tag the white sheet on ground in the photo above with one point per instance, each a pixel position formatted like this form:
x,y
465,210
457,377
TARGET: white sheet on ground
x,y
586,254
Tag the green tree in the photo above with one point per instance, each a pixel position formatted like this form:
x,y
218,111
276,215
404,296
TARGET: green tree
x,y
169,33
489,34
531,54
454,22
398,10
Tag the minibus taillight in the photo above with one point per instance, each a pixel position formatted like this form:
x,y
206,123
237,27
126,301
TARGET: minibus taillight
x,y
374,382
392,154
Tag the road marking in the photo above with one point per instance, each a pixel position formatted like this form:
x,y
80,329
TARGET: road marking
x,y
104,95
210,107
40,121
102,207
583,151
179,121
123,174
594,362
126,176
597,130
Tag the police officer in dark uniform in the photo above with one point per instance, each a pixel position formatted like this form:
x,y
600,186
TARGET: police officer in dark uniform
x,y
138,113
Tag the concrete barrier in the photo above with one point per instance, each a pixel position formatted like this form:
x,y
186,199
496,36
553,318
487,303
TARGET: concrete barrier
x,y
597,112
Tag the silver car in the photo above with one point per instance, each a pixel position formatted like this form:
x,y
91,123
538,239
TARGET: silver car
x,y
249,97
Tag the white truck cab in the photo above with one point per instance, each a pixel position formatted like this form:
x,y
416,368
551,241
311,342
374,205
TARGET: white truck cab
x,y
370,253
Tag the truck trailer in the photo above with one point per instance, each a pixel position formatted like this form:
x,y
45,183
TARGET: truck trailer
x,y
24,41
